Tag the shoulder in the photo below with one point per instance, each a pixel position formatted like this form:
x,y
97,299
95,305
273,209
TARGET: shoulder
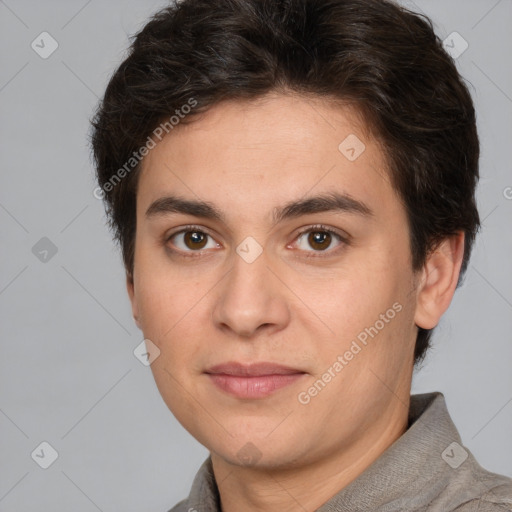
x,y
456,481
496,498
181,507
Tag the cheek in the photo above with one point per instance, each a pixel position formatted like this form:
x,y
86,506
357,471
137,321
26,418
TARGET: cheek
x,y
174,315
156,306
163,294
365,300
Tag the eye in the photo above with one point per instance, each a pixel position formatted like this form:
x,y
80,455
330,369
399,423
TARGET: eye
x,y
192,240
319,239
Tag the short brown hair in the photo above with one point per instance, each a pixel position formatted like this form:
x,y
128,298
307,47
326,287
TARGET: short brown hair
x,y
383,58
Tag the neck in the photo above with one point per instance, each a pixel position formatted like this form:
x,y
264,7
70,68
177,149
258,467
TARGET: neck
x,y
305,487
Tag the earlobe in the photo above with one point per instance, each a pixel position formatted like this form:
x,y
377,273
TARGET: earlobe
x,y
438,281
130,287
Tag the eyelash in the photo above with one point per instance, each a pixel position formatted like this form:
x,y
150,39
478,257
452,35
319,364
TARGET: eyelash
x,y
343,239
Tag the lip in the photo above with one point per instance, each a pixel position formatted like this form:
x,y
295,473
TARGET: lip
x,y
255,380
252,369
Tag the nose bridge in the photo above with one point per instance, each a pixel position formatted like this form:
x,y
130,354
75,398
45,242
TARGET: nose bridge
x,y
249,297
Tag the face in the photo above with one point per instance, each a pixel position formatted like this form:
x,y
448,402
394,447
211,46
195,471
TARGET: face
x,y
268,232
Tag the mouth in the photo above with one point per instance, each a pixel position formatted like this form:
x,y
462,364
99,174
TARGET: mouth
x,y
251,381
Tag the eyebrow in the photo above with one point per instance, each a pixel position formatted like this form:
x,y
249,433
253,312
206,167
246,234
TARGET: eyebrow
x,y
332,202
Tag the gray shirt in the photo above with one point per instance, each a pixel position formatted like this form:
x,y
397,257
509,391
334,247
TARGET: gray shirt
x,y
426,469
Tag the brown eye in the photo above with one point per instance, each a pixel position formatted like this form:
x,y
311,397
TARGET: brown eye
x,y
319,240
195,239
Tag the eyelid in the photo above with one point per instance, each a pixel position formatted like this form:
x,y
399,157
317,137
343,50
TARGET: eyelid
x,y
188,227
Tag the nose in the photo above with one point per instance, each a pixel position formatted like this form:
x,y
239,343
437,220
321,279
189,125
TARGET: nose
x,y
251,300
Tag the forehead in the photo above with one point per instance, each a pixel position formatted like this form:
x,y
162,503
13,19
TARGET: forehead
x,y
267,151
285,124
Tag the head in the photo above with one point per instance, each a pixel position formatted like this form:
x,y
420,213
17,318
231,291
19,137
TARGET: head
x,y
289,181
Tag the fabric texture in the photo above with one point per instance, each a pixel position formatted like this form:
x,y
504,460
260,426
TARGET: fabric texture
x,y
426,469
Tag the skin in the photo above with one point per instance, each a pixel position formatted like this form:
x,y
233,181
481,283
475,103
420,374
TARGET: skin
x,y
249,158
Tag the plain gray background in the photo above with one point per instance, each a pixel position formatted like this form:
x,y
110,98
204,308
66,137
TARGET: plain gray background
x,y
68,373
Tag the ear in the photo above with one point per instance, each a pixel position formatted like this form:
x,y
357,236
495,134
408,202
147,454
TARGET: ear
x,y
438,281
130,287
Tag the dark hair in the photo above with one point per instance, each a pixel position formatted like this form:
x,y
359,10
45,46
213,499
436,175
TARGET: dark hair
x,y
383,58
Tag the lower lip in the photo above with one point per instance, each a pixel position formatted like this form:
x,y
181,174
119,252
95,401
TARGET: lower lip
x,y
253,387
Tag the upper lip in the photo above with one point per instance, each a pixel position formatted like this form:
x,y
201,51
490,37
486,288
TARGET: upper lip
x,y
252,369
